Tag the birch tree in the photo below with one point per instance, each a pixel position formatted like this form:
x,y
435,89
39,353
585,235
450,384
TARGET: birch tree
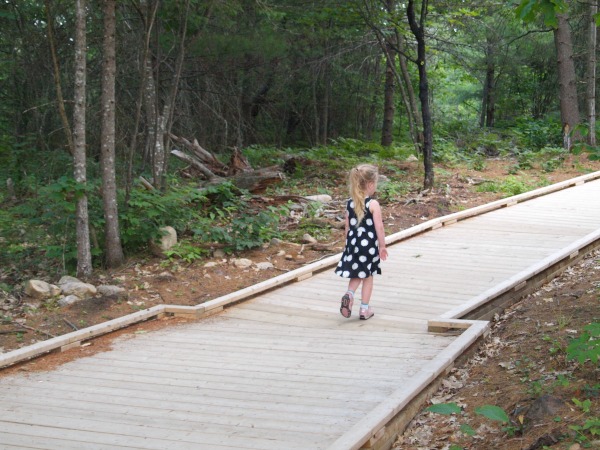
x,y
84,255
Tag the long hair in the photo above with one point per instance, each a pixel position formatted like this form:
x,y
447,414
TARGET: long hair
x,y
358,181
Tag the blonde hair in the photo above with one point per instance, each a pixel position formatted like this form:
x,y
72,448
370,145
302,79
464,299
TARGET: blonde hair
x,y
358,182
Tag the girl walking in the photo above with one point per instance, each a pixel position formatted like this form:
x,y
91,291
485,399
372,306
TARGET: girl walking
x,y
365,240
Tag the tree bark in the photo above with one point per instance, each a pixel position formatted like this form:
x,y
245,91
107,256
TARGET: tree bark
x,y
415,120
591,75
387,130
569,108
114,250
418,30
84,254
59,95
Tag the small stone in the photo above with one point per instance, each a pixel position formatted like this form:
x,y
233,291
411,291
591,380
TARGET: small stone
x,y
288,256
69,300
108,290
167,241
264,265
39,289
210,264
82,290
308,239
242,263
276,241
281,253
319,198
218,253
67,279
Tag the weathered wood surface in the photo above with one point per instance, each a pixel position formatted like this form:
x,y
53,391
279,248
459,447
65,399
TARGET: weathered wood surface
x,y
284,369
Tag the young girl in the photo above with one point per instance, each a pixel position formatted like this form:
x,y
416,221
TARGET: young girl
x,y
365,240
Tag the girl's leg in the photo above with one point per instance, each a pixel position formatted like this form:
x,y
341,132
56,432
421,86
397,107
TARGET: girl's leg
x,y
367,290
366,312
348,298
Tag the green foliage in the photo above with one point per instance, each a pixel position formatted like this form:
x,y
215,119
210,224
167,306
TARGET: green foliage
x,y
492,412
589,430
446,409
587,346
238,228
187,252
510,186
529,10
392,191
532,134
148,211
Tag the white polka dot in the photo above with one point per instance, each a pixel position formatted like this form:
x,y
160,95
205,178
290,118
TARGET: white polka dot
x,y
346,274
369,266
376,259
356,250
353,242
371,235
362,258
339,264
360,231
351,233
369,222
352,204
372,251
362,275
354,266
364,243
367,204
353,221
349,258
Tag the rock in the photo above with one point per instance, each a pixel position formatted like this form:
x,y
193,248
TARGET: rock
x,y
281,253
218,253
81,290
210,264
319,198
67,279
69,300
276,241
264,265
412,158
108,290
545,407
241,263
308,239
39,289
166,242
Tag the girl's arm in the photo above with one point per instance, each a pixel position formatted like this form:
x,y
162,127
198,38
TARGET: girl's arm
x,y
347,225
378,221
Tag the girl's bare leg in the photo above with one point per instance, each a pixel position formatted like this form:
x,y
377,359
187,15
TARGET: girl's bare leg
x,y
367,290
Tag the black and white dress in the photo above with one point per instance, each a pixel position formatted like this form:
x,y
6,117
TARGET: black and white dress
x,y
361,254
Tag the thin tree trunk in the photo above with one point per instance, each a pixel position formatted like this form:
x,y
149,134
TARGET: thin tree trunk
x,y
114,251
591,75
149,22
415,120
387,130
418,29
84,254
569,108
59,95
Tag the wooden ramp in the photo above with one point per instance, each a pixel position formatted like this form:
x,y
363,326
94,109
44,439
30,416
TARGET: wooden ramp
x,y
285,370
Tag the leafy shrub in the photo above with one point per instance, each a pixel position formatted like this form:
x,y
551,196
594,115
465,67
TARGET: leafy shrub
x,y
587,346
537,134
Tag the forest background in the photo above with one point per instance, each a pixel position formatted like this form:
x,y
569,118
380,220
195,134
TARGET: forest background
x,y
114,113
217,117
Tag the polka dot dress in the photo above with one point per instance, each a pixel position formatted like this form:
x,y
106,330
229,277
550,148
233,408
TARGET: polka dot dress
x,y
361,254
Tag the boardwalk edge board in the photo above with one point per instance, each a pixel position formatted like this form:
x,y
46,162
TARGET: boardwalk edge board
x,y
212,306
373,423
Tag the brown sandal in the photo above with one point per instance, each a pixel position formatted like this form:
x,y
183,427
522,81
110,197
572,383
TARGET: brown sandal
x,y
346,307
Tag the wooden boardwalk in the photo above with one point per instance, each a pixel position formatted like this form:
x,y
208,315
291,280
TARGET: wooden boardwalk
x,y
284,370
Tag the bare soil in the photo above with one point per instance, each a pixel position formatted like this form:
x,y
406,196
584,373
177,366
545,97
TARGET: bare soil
x,y
522,359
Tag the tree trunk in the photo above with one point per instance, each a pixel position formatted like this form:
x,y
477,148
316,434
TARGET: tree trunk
x,y
84,254
591,75
59,95
114,251
415,120
145,76
569,109
418,30
387,130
